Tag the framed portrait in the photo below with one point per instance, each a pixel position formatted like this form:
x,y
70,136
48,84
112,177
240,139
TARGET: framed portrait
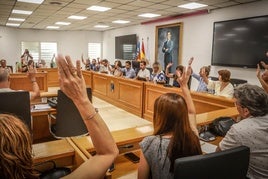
x,y
168,40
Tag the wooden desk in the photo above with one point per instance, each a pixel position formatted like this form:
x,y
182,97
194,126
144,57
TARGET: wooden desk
x,y
52,76
203,102
62,152
20,81
121,92
40,124
126,139
208,117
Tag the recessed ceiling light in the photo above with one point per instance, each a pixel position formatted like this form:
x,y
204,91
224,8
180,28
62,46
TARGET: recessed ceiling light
x,y
63,23
149,15
101,26
98,8
52,27
77,17
16,19
12,24
32,1
121,22
192,5
14,11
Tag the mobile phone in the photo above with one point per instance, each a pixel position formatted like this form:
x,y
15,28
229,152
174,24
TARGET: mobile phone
x,y
132,157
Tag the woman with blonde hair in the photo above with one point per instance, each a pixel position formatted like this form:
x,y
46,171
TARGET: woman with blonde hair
x,y
175,133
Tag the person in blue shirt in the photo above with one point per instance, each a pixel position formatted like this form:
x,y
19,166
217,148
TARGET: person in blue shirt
x,y
202,86
128,71
157,75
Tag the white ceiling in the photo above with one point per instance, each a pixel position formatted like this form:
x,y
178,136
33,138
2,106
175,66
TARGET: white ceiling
x,y
47,13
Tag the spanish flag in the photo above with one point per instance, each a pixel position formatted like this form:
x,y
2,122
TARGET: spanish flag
x,y
142,52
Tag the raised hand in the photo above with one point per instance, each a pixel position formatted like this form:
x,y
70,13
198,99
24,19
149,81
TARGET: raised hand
x,y
258,71
190,61
71,79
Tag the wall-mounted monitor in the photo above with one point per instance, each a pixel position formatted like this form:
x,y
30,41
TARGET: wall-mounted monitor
x,y
125,47
240,42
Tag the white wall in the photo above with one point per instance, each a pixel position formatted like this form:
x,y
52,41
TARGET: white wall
x,y
73,43
197,37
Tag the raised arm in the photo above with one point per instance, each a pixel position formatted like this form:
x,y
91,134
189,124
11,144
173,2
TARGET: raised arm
x,y
169,75
73,85
31,75
263,83
183,81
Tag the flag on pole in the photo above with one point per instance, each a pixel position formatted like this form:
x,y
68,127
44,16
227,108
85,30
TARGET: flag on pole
x,y
147,50
142,53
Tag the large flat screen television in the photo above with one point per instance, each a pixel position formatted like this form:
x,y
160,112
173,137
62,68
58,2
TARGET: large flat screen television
x,y
240,42
125,47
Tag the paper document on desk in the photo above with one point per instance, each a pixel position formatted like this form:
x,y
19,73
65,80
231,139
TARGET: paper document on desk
x,y
207,147
41,106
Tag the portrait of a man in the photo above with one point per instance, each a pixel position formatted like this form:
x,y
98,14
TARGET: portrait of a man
x,y
167,50
168,45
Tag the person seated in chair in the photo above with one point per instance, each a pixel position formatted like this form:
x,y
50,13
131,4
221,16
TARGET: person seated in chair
x,y
144,73
5,82
175,133
116,70
104,66
3,65
174,76
158,75
128,72
252,105
16,139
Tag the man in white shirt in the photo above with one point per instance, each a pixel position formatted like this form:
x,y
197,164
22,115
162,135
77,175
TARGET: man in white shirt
x,y
143,74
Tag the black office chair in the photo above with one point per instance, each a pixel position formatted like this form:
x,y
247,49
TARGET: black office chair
x,y
235,82
231,164
18,104
69,122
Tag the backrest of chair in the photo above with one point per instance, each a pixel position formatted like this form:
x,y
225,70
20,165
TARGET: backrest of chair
x,y
68,119
18,104
231,164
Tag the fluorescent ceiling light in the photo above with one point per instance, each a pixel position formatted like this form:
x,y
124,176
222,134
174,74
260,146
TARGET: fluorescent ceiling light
x,y
192,5
149,15
16,19
98,8
32,1
121,22
63,23
14,11
52,27
12,24
77,17
101,26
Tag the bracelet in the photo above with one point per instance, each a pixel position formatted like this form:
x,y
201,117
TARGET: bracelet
x,y
92,115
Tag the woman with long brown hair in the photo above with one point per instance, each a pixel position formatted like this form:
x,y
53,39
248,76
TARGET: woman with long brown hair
x,y
175,133
15,149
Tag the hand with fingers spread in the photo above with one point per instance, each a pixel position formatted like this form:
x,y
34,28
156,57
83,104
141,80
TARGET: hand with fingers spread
x,y
258,71
73,85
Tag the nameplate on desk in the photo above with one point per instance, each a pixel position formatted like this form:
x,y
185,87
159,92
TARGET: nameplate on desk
x,y
41,107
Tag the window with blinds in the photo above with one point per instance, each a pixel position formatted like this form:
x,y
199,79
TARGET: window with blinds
x,y
48,49
94,50
33,48
40,50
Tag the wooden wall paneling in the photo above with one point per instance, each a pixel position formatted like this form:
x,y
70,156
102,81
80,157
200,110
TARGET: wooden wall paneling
x,y
88,78
131,96
20,81
99,84
52,76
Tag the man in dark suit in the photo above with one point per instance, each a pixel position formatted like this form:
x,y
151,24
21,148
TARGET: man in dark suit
x,y
167,50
